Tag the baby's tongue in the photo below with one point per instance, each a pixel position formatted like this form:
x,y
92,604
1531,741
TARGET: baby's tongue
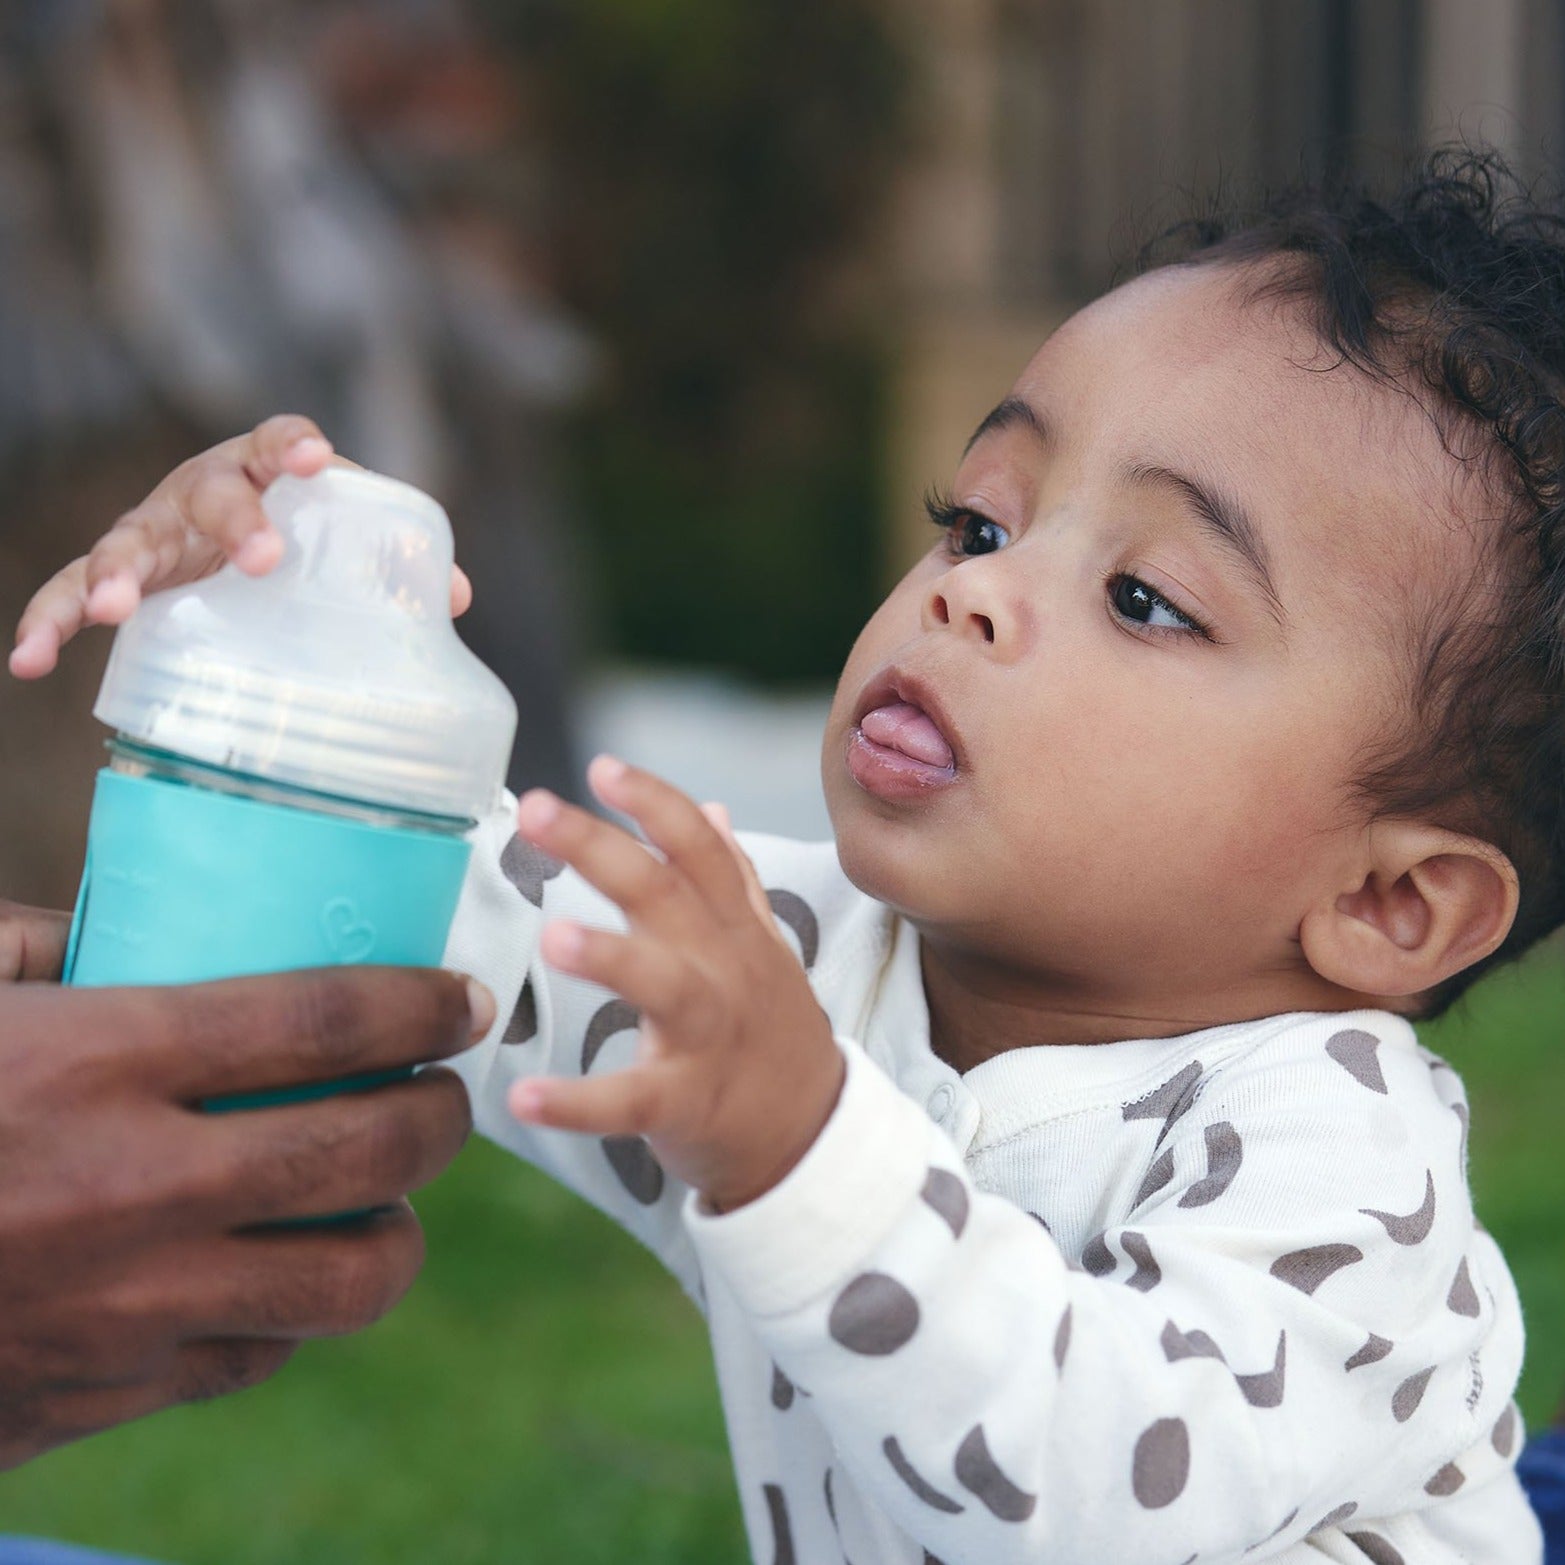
x,y
909,729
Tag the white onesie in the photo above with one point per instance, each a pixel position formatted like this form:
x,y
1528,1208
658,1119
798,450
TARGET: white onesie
x,y
1207,1298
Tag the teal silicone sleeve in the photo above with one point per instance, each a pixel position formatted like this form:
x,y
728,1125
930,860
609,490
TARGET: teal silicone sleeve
x,y
184,884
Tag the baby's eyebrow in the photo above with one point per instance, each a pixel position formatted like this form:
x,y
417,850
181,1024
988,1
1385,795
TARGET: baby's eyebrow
x,y
1224,517
1010,413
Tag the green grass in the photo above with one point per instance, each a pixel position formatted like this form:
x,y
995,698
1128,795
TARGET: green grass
x,y
545,1393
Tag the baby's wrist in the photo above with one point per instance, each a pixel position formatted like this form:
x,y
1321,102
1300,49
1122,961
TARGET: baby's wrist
x,y
768,1162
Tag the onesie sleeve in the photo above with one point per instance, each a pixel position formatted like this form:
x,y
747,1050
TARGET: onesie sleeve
x,y
551,1024
1292,1326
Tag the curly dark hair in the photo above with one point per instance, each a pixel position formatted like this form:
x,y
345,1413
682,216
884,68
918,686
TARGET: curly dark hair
x,y
1453,285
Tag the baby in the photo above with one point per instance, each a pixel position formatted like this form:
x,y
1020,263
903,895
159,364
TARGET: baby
x,y
1052,1154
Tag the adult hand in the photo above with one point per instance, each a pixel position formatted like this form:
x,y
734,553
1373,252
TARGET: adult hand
x,y
141,1263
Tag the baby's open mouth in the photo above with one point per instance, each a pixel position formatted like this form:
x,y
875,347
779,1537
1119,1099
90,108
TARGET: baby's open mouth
x,y
898,750
910,731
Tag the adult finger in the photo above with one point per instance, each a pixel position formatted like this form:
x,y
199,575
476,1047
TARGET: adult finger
x,y
195,1371
349,1152
32,943
324,1280
288,1029
652,892
674,824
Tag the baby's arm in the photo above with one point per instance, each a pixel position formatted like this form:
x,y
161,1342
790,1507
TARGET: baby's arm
x,y
207,511
1283,1335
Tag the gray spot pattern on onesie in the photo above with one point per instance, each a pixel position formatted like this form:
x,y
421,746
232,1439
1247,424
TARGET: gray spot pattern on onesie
x,y
1265,1389
916,1481
1276,1531
612,1016
1354,1050
1375,1348
782,1390
1407,1396
523,1025
1148,1274
1097,1258
1161,1464
782,1530
1334,1518
1062,1338
874,1315
1376,1550
527,868
632,1160
979,1473
1460,1110
948,1196
1503,1436
1224,1153
1169,1101
1463,1297
1448,1480
1157,1176
1414,1228
1307,1269
1194,1344
789,908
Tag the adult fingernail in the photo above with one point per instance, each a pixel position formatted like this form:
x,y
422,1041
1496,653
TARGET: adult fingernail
x,y
481,1005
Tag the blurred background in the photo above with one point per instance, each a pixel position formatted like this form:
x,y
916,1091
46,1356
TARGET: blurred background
x,y
679,308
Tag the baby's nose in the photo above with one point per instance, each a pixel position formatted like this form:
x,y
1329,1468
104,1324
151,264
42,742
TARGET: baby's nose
x,y
943,608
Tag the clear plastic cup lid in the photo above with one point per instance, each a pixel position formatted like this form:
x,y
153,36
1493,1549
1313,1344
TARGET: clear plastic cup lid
x,y
339,671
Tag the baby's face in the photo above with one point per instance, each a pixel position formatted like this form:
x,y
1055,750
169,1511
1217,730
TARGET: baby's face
x,y
1105,731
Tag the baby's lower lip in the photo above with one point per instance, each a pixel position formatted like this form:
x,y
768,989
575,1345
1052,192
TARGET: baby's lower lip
x,y
891,774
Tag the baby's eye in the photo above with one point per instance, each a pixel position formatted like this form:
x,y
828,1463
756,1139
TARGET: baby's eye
x,y
967,532
1134,600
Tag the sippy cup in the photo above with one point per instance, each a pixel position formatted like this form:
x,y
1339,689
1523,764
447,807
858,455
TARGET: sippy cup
x,y
297,758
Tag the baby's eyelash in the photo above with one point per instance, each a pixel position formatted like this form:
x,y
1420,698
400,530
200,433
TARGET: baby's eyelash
x,y
941,509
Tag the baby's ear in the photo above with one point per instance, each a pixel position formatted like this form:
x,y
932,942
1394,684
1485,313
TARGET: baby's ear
x,y
1430,903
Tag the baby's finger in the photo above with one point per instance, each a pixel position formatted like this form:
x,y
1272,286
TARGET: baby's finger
x,y
461,592
53,615
652,893
148,548
643,971
674,823
755,892
288,443
222,502
620,1103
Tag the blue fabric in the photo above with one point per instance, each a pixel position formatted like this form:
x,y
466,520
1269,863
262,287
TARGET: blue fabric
x,y
1542,1472
40,1551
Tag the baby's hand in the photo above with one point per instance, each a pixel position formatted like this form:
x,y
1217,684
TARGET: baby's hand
x,y
207,511
736,1071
